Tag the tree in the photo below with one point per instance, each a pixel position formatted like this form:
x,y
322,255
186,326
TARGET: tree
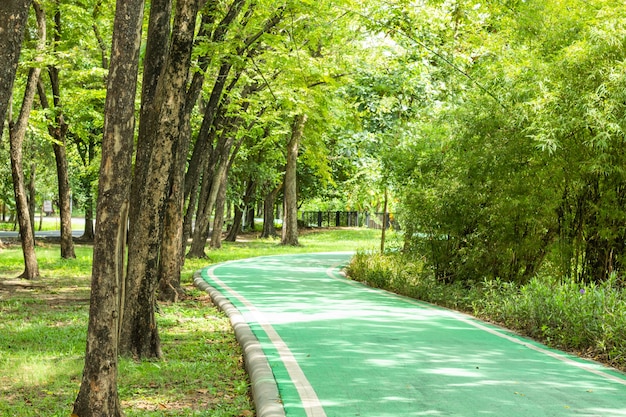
x,y
17,132
514,137
13,18
155,163
98,395
58,131
290,222
215,165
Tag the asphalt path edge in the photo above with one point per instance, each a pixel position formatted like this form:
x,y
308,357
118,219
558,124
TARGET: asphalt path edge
x,y
263,385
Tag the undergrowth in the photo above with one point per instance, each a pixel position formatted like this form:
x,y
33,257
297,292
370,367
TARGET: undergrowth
x,y
587,319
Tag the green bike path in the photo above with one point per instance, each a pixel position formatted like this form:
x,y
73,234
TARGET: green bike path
x,y
333,347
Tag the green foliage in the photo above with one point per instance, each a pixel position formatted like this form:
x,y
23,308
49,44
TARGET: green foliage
x,y
512,155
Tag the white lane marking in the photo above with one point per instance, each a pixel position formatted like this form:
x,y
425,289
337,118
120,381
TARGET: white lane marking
x,y
589,367
310,402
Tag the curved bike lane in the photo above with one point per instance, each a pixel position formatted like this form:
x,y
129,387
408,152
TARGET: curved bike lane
x,y
333,347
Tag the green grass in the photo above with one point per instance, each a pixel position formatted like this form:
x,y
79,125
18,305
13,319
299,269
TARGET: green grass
x,y
46,224
44,324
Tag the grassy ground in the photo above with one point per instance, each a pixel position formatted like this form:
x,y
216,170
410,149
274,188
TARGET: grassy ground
x,y
43,330
44,223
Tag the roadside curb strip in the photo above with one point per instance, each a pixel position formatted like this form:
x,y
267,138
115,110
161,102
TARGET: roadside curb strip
x,y
265,394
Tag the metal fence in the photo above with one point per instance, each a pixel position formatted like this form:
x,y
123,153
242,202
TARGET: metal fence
x,y
345,219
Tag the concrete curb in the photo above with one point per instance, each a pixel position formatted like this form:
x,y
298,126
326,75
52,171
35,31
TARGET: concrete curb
x,y
264,389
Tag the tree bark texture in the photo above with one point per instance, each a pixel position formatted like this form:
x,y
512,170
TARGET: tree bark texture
x,y
31,197
239,209
235,228
17,133
218,220
228,158
58,130
269,201
290,223
152,187
138,333
87,155
98,395
13,18
174,235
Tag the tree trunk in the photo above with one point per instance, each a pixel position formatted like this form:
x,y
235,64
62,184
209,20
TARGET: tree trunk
x,y
152,185
139,335
17,132
87,156
205,205
65,211
384,230
13,18
213,117
269,230
171,250
58,131
177,226
31,197
290,223
235,228
228,158
247,198
98,394
218,221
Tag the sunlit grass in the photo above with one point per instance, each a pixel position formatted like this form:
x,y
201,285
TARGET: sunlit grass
x,y
44,326
45,224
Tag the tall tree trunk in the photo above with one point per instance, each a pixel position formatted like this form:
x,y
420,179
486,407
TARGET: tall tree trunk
x,y
384,230
17,133
177,227
229,157
235,228
98,395
139,335
204,140
290,223
65,211
58,131
13,18
152,183
32,197
247,198
205,204
218,221
269,201
87,155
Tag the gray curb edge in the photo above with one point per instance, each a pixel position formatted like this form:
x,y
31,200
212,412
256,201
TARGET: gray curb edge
x,y
265,395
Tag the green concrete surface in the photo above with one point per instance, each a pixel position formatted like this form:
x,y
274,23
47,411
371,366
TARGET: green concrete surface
x,y
338,348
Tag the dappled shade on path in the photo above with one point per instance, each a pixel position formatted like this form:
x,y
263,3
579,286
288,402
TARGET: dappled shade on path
x,y
366,352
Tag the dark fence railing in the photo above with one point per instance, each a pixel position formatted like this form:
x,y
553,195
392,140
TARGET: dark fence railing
x,y
345,219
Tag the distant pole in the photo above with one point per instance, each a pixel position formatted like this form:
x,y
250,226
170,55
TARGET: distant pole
x,y
382,237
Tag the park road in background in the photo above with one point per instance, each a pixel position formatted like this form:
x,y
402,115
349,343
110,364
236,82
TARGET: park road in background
x,y
338,348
